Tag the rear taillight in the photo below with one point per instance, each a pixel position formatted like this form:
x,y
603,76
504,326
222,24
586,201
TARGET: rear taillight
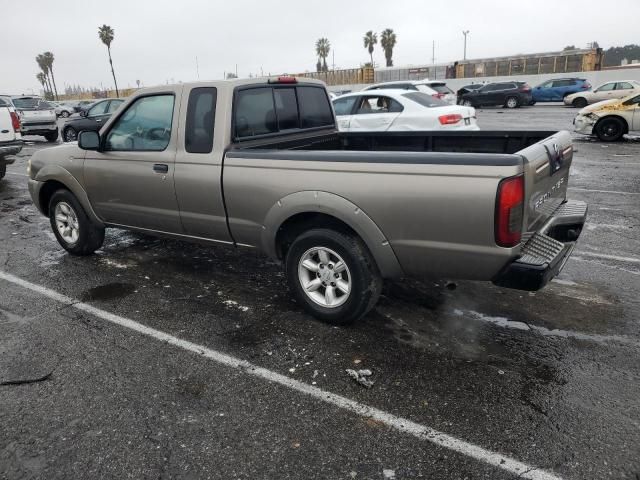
x,y
509,211
525,88
15,121
449,119
283,79
438,95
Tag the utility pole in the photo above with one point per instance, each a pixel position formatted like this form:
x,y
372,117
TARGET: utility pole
x,y
433,53
465,33
197,68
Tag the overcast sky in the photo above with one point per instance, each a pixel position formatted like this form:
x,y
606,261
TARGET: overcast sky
x,y
158,41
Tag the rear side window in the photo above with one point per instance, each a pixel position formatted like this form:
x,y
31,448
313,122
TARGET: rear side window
x,y
201,114
255,113
624,86
344,106
424,99
314,107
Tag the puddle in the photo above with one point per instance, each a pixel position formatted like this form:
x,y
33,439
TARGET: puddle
x,y
110,291
504,322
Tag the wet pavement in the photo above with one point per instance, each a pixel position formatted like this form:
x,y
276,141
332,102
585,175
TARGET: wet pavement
x,y
551,379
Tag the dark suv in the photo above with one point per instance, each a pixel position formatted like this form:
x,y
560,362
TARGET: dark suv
x,y
508,94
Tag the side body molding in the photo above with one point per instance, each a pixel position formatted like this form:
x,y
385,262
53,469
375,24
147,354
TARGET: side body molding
x,y
340,208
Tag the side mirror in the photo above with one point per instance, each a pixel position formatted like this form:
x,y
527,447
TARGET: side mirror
x,y
84,113
89,140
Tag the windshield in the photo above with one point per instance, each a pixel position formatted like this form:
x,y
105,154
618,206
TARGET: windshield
x,y
439,87
26,103
424,99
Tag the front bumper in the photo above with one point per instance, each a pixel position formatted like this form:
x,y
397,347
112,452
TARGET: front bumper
x,y
545,252
584,125
10,148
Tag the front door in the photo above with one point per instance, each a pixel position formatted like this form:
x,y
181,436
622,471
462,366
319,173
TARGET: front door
x,y
605,92
130,179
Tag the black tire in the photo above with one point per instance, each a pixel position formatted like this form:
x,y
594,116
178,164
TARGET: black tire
x,y
610,129
511,102
69,134
364,277
52,137
3,171
90,236
580,102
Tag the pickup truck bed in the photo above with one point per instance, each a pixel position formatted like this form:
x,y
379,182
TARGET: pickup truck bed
x,y
261,164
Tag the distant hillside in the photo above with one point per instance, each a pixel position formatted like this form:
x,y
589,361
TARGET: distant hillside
x,y
614,55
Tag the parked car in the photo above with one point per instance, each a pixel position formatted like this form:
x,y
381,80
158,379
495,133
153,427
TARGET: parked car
x,y
606,91
62,109
83,105
609,120
37,117
400,110
555,90
91,119
435,88
10,137
466,89
507,94
342,211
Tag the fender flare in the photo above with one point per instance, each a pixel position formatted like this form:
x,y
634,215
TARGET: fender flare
x,y
58,174
340,208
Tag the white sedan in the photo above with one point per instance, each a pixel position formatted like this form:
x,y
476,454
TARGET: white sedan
x,y
400,110
611,119
606,91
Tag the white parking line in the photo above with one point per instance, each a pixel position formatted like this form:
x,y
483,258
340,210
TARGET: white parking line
x,y
609,257
603,191
404,425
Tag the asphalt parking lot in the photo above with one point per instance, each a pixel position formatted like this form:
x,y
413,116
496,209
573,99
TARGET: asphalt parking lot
x,y
161,359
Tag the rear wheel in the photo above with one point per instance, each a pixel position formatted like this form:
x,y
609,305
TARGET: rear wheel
x,y
579,102
52,137
69,134
610,129
333,275
71,225
511,102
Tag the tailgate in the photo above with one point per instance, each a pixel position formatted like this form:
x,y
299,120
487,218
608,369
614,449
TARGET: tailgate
x,y
7,133
546,166
31,116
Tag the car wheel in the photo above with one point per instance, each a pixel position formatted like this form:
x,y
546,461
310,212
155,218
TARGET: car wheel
x,y
64,114
579,102
71,225
333,275
69,134
52,137
467,103
610,129
511,102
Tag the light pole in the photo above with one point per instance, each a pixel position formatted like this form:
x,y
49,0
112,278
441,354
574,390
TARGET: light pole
x,y
465,33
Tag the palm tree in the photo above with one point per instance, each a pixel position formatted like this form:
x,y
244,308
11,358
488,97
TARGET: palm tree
x,y
323,47
49,58
43,81
388,41
42,63
370,39
105,32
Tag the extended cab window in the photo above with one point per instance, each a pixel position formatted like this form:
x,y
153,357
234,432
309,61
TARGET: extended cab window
x,y
144,126
201,113
265,110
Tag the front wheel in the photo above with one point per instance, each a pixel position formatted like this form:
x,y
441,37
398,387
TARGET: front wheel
x,y
512,102
610,129
71,225
69,134
579,102
333,275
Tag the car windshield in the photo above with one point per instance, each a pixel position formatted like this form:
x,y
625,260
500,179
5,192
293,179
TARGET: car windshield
x,y
424,99
28,103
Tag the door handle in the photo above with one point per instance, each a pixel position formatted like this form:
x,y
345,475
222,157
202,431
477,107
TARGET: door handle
x,y
98,120
160,168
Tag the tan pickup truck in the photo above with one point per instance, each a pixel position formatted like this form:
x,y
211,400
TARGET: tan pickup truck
x,y
260,164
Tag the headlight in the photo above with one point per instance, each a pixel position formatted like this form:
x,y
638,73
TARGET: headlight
x,y
591,116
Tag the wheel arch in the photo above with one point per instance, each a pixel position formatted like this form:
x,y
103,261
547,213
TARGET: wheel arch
x,y
51,178
301,211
